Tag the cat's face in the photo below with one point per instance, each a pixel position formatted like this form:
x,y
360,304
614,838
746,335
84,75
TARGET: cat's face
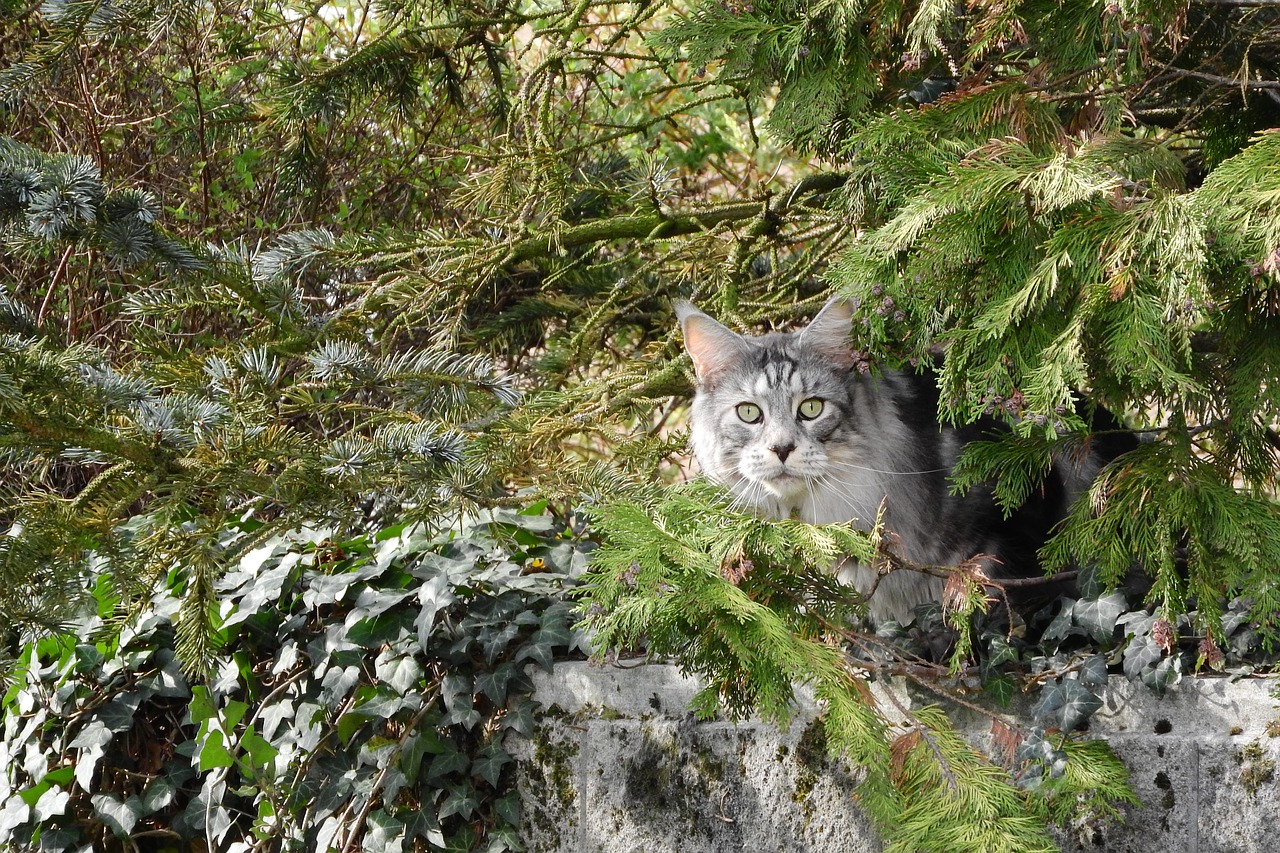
x,y
772,415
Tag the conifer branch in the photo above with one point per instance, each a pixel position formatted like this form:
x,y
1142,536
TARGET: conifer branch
x,y
660,226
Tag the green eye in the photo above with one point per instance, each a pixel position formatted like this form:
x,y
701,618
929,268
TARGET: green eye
x,y
749,413
810,409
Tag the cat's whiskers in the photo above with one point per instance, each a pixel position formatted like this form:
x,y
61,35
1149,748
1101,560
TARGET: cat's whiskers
x,y
861,508
748,499
849,466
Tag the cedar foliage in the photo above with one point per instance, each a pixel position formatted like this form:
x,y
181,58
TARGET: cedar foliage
x,y
271,264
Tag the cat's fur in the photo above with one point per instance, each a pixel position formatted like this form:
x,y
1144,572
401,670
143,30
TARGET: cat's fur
x,y
876,439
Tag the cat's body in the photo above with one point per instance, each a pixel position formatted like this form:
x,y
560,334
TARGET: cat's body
x,y
785,422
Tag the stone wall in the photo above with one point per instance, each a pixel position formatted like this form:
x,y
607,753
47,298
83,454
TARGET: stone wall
x,y
618,765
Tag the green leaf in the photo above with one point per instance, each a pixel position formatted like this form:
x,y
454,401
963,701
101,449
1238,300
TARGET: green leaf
x,y
508,809
60,776
232,713
494,684
1093,672
1141,655
260,751
1001,688
490,763
117,715
433,596
1078,705
202,706
400,672
213,754
1098,616
119,815
462,801
52,803
448,764
383,833
348,724
375,631
159,793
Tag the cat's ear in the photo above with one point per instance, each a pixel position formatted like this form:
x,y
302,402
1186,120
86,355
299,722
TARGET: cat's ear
x,y
829,332
713,347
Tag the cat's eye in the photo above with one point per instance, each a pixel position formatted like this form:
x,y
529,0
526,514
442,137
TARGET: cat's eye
x,y
810,409
749,413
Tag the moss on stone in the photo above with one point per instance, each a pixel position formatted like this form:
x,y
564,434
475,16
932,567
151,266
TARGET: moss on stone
x,y
1257,767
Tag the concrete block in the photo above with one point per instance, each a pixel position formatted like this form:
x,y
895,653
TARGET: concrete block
x,y
619,765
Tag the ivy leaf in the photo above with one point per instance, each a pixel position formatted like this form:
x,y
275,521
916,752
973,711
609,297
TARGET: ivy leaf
x,y
1093,672
508,808
326,589
495,642
539,652
433,596
1001,688
213,753
1163,675
265,589
1098,616
88,658
1000,651
92,743
400,672
494,684
378,630
459,701
1062,625
461,801
383,833
117,715
51,803
120,815
448,763
159,793
260,751
1078,704
1050,701
411,756
490,763
379,702
521,717
337,683
13,815
374,602
1140,655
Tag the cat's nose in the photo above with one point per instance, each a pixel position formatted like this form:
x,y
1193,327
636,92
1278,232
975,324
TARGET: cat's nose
x,y
783,451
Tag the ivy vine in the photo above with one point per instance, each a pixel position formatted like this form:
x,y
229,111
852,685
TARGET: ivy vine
x,y
360,701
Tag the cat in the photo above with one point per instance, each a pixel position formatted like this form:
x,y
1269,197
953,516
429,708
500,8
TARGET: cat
x,y
793,430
